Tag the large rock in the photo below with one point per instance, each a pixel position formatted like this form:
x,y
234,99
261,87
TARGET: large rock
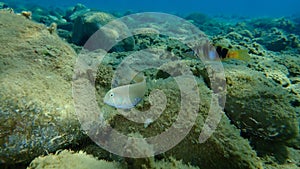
x,y
116,34
87,24
259,106
73,12
224,149
36,108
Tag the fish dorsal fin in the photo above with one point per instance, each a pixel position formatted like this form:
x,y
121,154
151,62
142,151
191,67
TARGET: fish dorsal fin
x,y
139,77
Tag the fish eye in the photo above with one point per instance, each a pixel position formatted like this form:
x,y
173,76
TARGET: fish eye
x,y
111,94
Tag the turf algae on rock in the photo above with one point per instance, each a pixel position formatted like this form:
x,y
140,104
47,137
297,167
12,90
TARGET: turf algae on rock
x,y
36,108
71,160
224,149
263,111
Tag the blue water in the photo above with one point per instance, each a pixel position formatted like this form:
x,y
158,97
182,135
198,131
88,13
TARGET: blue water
x,y
250,8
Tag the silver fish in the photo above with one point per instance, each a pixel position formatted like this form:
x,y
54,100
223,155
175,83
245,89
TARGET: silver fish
x,y
127,96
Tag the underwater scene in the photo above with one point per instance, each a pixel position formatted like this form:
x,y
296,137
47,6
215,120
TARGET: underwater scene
x,y
149,84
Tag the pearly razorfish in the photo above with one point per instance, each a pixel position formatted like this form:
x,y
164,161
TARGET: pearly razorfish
x,y
127,96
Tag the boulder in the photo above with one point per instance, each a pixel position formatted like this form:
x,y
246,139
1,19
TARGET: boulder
x,y
258,105
87,24
36,107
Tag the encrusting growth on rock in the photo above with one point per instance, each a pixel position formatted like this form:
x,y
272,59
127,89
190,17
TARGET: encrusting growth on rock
x,y
52,28
26,14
